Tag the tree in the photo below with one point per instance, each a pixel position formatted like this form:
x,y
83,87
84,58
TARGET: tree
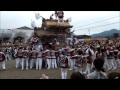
x,y
5,36
0,36
116,35
107,37
22,35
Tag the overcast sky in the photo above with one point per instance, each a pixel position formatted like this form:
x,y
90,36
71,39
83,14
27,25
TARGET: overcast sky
x,y
15,19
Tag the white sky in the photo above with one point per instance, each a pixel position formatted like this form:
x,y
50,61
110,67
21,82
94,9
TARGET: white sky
x,y
15,19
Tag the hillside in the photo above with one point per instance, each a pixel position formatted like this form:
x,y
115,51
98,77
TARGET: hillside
x,y
106,33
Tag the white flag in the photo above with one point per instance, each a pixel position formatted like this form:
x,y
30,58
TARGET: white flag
x,y
33,24
37,16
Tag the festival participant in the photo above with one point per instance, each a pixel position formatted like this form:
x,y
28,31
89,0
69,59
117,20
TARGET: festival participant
x,y
7,53
104,56
2,60
111,54
47,55
72,59
26,54
79,60
60,15
89,62
57,53
39,60
12,52
53,59
78,63
99,71
56,14
19,56
64,66
116,61
98,53
44,61
119,58
67,49
108,58
33,58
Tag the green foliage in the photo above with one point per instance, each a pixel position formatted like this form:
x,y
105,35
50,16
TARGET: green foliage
x,y
115,35
21,34
6,36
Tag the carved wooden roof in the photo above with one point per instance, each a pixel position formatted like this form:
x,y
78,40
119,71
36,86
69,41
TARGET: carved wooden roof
x,y
54,23
40,32
52,27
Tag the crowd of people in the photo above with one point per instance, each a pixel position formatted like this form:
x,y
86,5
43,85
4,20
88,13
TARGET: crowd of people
x,y
97,56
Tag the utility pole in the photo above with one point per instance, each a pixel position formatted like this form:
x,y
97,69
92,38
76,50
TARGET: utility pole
x,y
89,31
0,20
119,24
2,34
1,28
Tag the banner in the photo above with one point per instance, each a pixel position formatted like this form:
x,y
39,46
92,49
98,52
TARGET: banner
x,y
33,24
37,16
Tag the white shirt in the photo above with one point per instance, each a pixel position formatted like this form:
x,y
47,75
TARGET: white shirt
x,y
97,75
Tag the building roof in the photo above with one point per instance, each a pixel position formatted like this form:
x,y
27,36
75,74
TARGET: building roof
x,y
25,28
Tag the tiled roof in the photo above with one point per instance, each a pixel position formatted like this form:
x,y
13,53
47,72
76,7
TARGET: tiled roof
x,y
25,28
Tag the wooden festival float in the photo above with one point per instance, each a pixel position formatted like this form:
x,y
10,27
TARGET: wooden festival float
x,y
53,29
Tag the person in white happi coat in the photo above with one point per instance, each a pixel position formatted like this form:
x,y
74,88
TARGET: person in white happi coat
x,y
2,60
89,60
79,60
53,59
48,58
72,59
56,14
39,60
67,49
116,58
104,56
33,58
119,58
60,16
26,54
57,54
110,58
98,53
63,66
19,57
8,53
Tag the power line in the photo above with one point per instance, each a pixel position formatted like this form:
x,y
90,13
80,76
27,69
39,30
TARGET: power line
x,y
97,22
97,26
0,20
119,24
